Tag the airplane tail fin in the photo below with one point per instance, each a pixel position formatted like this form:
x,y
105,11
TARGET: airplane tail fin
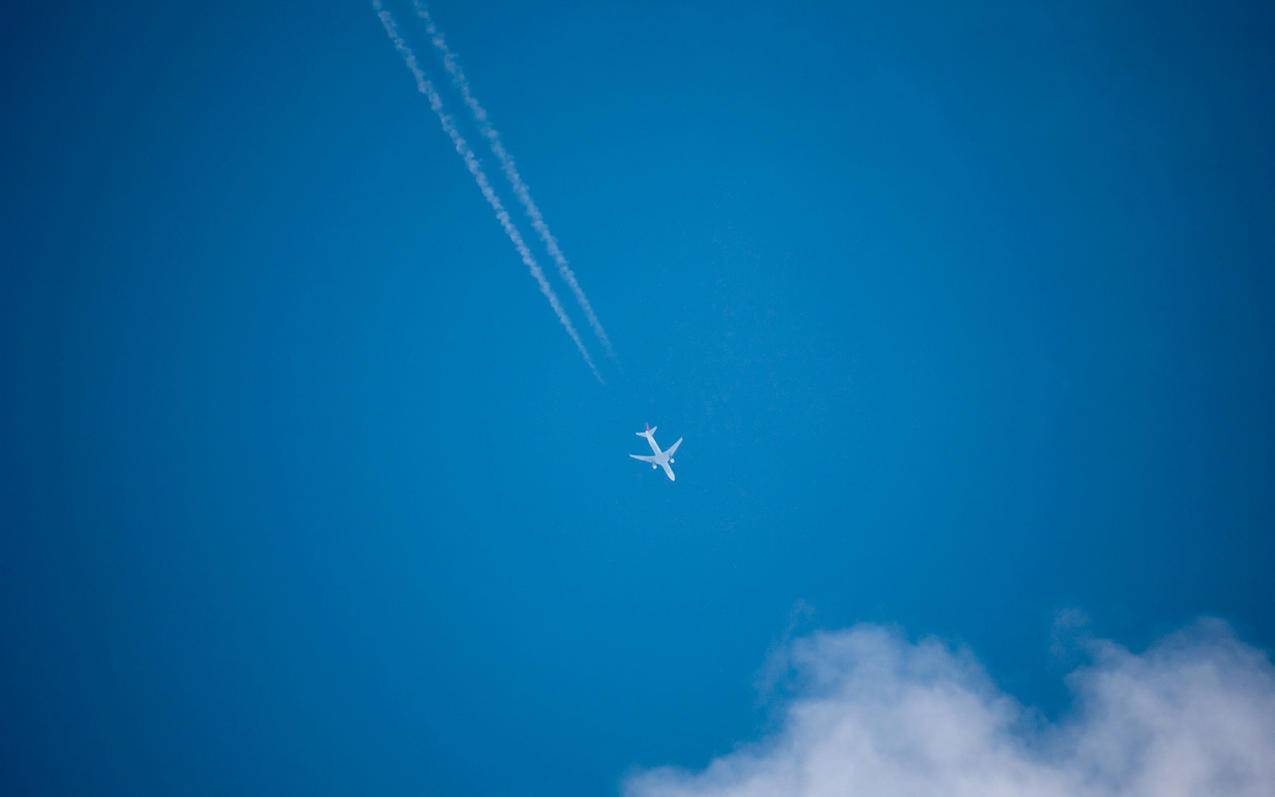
x,y
650,430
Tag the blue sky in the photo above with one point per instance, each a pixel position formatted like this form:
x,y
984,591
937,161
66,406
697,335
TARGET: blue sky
x,y
964,313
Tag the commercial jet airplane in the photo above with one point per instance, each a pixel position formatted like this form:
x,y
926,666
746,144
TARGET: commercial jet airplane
x,y
660,459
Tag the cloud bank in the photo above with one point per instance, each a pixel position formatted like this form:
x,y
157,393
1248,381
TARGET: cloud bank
x,y
879,716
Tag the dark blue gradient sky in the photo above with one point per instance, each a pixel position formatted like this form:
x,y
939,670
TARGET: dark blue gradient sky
x,y
964,311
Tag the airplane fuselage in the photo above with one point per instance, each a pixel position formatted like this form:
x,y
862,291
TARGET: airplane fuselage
x,y
658,458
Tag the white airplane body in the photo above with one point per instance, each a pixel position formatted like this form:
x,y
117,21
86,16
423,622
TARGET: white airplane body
x,y
658,459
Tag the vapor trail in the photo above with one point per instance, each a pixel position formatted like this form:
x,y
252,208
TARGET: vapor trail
x,y
426,88
510,169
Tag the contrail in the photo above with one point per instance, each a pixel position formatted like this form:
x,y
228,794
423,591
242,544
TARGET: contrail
x,y
507,165
426,88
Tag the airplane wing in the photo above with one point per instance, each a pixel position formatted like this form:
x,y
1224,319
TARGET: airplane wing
x,y
644,459
673,448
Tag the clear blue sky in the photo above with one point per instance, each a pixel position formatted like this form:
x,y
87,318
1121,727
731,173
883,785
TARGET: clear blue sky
x,y
963,310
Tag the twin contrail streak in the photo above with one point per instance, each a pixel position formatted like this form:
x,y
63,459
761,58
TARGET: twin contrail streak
x,y
426,88
510,169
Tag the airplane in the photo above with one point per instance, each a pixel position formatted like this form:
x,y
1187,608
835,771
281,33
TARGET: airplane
x,y
660,459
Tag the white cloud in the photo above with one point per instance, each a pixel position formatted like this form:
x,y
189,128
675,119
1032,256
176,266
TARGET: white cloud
x,y
879,716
